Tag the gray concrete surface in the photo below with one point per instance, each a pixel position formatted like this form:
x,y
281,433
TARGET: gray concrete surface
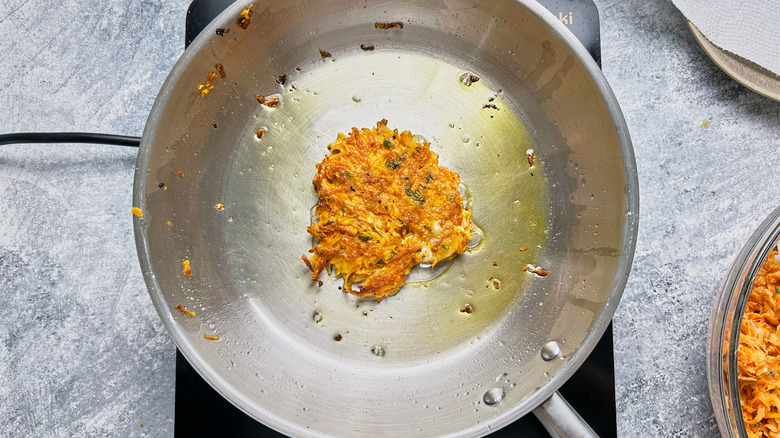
x,y
82,352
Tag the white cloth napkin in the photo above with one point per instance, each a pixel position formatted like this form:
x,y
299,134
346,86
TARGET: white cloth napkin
x,y
747,28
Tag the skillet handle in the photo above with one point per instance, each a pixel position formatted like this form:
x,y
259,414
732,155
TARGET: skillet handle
x,y
561,420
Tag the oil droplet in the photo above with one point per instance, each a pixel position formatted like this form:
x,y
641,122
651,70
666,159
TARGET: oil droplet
x,y
420,138
550,351
468,78
378,351
493,396
476,238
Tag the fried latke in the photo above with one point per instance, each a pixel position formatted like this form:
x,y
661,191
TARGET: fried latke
x,y
385,205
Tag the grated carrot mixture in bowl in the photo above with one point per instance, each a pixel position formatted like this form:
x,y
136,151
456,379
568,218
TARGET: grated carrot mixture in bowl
x,y
758,354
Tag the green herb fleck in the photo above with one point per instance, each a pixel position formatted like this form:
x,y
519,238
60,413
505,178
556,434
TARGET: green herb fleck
x,y
415,195
393,163
364,238
705,124
777,290
380,262
388,144
428,177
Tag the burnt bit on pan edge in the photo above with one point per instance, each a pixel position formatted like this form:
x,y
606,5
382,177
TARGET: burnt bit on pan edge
x,y
394,24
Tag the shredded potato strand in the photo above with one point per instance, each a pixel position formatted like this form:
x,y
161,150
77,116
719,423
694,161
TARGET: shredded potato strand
x,y
385,205
758,356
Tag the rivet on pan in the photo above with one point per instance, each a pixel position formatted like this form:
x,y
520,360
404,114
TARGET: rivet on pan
x,y
551,350
493,396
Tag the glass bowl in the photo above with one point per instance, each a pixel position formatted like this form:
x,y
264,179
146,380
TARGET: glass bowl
x,y
725,322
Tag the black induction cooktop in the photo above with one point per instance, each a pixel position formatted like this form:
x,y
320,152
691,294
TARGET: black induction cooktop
x,y
202,412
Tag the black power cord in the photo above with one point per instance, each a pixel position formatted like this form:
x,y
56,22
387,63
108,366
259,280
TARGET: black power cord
x,y
69,137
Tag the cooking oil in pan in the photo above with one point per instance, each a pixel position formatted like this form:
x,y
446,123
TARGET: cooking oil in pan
x,y
477,131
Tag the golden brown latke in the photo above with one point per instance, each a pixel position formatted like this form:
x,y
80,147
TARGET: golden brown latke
x,y
385,205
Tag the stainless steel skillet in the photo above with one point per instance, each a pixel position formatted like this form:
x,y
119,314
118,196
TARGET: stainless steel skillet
x,y
413,364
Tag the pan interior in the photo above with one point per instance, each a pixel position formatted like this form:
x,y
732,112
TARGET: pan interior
x,y
268,197
278,361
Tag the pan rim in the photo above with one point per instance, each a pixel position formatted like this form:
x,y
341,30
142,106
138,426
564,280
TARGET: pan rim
x,y
255,410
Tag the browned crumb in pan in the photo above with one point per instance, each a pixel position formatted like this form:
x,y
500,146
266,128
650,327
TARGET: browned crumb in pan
x,y
185,311
538,271
220,206
490,106
467,308
186,270
138,212
367,47
245,17
205,88
530,154
170,224
396,24
221,70
181,174
281,80
269,101
260,132
211,337
325,54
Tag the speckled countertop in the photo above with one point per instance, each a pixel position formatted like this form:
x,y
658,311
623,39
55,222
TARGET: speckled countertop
x,y
82,351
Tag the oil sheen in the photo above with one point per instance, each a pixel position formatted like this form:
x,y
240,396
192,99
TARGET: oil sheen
x,y
477,132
